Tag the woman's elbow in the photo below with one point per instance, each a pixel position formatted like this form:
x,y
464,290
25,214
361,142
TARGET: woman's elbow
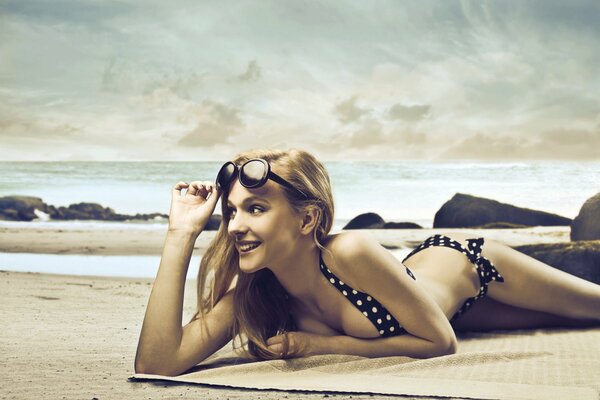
x,y
152,368
142,369
449,347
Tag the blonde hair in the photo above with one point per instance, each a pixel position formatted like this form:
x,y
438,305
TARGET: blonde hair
x,y
261,307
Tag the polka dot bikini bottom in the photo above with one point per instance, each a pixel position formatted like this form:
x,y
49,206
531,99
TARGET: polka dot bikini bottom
x,y
485,269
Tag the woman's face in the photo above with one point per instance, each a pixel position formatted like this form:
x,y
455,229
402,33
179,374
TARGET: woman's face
x,y
261,216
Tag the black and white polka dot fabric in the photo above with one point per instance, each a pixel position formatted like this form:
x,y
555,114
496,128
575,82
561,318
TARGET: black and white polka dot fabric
x,y
369,306
485,269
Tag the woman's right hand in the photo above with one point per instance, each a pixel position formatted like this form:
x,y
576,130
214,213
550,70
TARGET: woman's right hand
x,y
190,211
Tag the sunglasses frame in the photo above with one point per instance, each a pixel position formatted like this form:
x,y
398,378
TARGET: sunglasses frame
x,y
266,176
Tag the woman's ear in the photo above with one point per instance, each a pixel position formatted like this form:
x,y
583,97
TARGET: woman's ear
x,y
310,219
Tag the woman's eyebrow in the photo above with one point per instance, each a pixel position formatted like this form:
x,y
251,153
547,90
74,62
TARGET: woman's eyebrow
x,y
248,200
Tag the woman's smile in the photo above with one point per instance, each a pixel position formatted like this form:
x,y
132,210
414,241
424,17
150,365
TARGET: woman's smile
x,y
248,248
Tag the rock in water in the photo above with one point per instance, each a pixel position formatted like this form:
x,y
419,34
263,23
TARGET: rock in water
x,y
465,211
366,221
586,225
21,208
402,225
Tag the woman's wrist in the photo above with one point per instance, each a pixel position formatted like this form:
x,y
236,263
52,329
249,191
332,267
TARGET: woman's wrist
x,y
321,344
183,233
328,345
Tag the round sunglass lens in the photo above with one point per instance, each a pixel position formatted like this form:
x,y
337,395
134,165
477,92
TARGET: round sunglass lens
x,y
253,173
225,175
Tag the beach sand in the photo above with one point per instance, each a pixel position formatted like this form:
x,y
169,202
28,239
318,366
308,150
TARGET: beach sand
x,y
145,241
75,337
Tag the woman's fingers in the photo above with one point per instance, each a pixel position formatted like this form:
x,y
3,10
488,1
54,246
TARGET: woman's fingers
x,y
201,188
274,340
177,188
196,188
275,343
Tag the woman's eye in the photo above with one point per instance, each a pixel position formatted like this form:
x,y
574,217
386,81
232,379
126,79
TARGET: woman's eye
x,y
251,209
256,208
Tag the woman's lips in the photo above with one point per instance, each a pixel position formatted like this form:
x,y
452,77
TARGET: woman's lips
x,y
249,247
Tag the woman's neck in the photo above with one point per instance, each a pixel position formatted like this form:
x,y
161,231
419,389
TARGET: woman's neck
x,y
301,277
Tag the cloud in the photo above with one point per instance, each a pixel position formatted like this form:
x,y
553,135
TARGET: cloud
x,y
347,111
71,11
252,74
485,146
408,113
15,125
126,77
369,133
217,124
559,144
573,137
407,137
484,79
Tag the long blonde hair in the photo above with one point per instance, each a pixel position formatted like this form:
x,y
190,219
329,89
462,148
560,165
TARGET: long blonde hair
x,y
261,307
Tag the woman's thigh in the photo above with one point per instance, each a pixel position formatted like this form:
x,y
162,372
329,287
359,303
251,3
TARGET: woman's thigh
x,y
533,285
488,314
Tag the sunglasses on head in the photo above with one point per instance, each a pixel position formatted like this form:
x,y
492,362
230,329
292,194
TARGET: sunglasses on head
x,y
252,174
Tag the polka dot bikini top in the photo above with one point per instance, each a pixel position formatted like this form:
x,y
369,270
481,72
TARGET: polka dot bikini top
x,y
385,323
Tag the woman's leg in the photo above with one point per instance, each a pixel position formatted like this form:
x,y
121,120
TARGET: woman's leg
x,y
488,314
533,285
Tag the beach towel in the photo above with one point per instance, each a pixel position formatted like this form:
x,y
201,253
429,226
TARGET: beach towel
x,y
521,364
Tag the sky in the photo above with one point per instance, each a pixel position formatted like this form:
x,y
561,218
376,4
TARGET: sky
x,y
102,80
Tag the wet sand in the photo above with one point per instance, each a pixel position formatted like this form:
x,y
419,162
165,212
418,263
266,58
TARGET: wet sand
x,y
138,241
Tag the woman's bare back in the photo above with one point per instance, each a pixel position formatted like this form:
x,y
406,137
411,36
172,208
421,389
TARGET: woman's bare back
x,y
446,274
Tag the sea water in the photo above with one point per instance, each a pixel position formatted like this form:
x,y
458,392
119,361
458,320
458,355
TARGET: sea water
x,y
398,191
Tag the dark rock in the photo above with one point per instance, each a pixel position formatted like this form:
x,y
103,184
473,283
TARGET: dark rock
x,y
86,211
21,208
10,214
213,223
366,221
586,225
501,225
580,258
402,225
94,211
465,211
147,217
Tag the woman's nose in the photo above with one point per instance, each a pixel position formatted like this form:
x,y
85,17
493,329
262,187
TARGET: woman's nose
x,y
236,224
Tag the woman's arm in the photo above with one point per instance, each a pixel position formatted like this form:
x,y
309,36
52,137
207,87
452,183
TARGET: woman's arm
x,y
402,345
309,344
165,347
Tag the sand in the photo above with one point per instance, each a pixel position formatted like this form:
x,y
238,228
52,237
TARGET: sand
x,y
144,241
75,337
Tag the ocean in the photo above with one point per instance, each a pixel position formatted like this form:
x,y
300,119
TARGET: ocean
x,y
402,191
398,191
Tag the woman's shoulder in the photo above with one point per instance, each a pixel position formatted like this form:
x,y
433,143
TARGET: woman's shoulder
x,y
348,253
348,243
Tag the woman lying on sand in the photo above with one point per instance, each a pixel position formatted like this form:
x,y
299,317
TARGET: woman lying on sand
x,y
292,289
